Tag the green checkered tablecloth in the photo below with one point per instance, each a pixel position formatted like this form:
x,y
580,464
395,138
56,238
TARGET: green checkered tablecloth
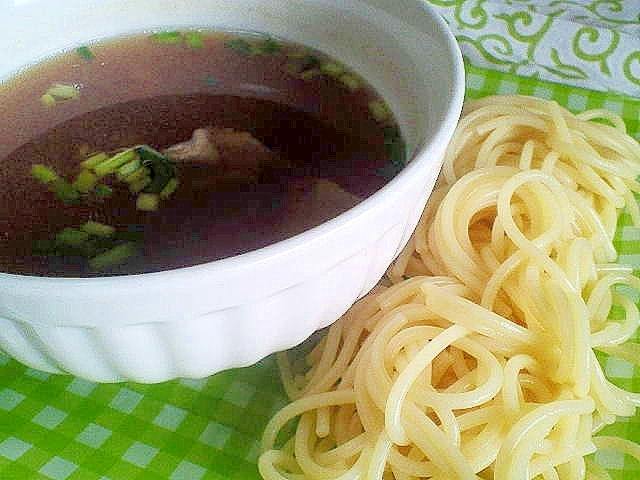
x,y
61,427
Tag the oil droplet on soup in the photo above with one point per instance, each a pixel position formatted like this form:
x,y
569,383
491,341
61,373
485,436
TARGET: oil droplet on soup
x,y
159,151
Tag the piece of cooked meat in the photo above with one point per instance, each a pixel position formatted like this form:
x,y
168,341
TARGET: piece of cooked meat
x,y
311,201
199,148
237,152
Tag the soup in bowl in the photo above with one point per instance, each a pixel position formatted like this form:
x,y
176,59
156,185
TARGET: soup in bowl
x,y
176,148
190,186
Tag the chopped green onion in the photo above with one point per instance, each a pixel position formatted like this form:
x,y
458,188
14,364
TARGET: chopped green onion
x,y
148,202
310,73
351,81
169,188
85,52
392,135
114,256
299,52
194,39
43,173
295,54
333,69
380,110
167,37
48,100
85,181
129,168
145,152
267,47
395,149
161,169
140,174
239,45
98,229
95,159
65,191
139,185
63,91
111,165
103,191
72,237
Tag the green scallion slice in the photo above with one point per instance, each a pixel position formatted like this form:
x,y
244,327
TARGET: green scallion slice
x,y
240,46
103,191
169,188
85,181
63,91
161,169
310,73
115,162
72,237
48,100
395,149
85,52
95,159
130,168
114,256
148,202
194,39
333,69
137,186
97,229
380,111
140,174
146,153
43,173
65,191
350,80
267,47
173,37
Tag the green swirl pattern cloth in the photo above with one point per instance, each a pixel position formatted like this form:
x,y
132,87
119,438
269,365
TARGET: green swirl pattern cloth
x,y
585,43
65,428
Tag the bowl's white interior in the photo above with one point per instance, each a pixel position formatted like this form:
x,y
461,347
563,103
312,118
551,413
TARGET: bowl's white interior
x,y
405,54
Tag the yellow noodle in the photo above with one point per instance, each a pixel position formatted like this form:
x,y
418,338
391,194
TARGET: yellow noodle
x,y
475,359
402,384
519,445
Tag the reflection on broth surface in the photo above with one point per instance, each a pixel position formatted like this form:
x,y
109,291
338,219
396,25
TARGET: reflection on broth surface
x,y
153,152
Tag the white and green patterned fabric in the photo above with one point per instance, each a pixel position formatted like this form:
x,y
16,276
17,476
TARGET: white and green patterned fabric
x,y
592,44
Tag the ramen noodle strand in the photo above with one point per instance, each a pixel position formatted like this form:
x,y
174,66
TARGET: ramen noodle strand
x,y
475,358
379,456
425,434
402,384
305,404
520,444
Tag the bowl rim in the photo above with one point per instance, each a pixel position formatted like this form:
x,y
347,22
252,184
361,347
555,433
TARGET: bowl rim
x,y
440,135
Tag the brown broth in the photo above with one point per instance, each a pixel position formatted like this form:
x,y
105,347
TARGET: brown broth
x,y
139,91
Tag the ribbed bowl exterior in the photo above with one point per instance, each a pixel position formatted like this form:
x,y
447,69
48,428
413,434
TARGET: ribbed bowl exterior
x,y
197,321
205,344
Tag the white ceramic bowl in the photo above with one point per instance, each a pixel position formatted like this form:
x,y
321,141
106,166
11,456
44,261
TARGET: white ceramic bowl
x,y
193,322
